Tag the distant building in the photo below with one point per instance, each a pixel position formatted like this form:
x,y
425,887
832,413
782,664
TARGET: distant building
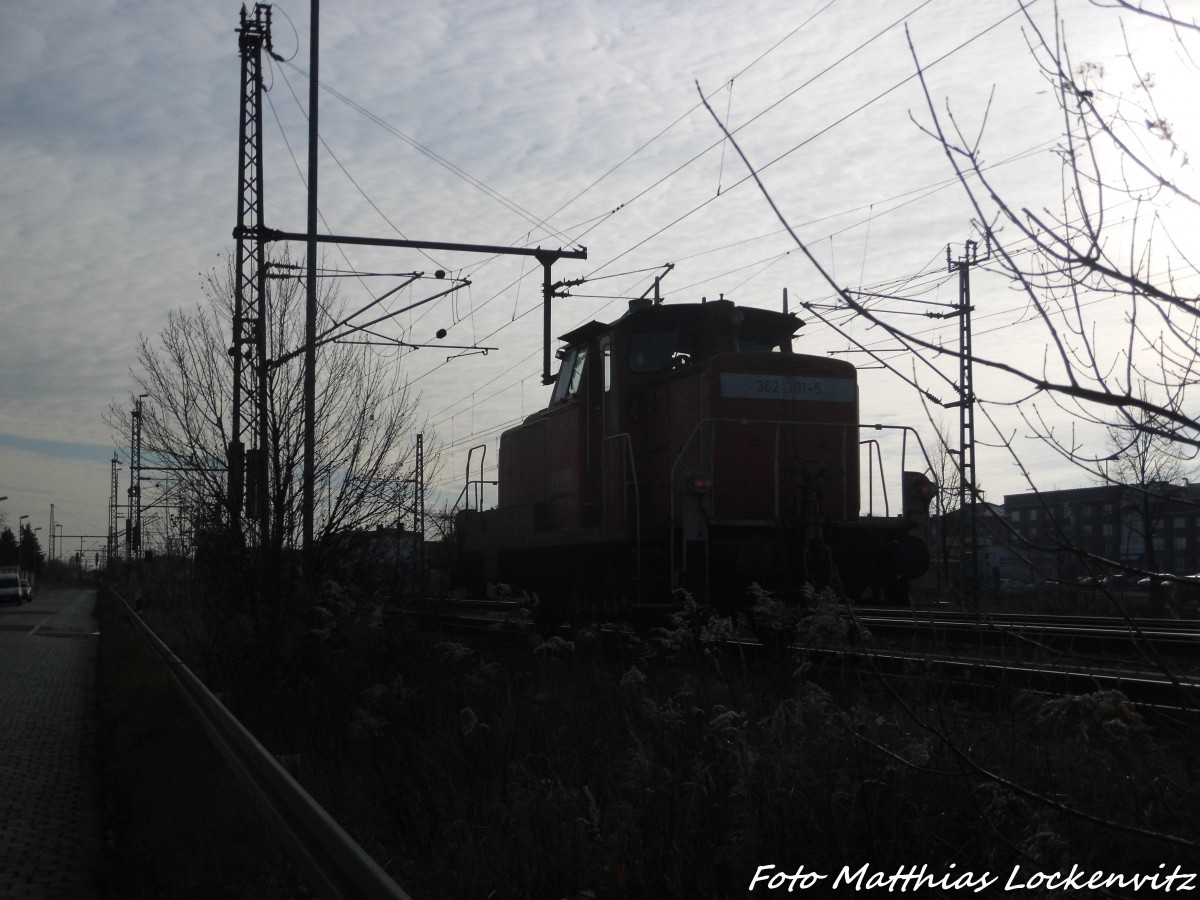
x,y
995,558
1157,529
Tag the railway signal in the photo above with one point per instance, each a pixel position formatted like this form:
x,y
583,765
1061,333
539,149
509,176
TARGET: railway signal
x,y
919,493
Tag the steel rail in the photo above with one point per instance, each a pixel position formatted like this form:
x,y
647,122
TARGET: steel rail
x,y
936,614
1178,635
332,862
1140,687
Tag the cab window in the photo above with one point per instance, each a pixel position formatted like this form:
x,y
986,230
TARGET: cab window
x,y
763,340
606,362
577,372
570,376
659,351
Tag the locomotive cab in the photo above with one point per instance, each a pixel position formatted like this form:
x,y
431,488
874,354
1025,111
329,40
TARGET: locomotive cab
x,y
684,446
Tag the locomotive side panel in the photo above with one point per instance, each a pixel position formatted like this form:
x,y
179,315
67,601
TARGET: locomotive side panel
x,y
524,474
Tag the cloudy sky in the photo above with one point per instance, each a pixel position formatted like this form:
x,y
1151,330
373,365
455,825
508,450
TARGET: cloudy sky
x,y
475,122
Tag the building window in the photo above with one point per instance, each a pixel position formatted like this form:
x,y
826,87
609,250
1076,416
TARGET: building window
x,y
1016,515
1180,522
1033,515
1107,530
1180,543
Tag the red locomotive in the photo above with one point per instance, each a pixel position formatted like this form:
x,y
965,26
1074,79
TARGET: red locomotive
x,y
687,446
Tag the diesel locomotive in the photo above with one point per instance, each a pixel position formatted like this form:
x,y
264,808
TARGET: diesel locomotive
x,y
687,446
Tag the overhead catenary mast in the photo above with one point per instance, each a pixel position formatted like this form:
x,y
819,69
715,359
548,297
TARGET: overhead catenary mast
x,y
133,525
968,493
113,541
248,466
247,451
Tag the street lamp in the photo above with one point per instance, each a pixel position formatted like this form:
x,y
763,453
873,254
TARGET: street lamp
x,y
1107,460
20,544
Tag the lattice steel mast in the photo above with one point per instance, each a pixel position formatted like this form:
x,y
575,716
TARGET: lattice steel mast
x,y
133,524
968,493
247,452
113,545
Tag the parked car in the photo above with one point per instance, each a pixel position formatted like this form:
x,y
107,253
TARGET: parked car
x,y
1162,578
10,588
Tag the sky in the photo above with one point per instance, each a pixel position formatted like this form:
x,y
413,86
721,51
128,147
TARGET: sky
x,y
514,124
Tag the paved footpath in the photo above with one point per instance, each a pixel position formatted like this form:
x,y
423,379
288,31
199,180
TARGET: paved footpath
x,y
49,802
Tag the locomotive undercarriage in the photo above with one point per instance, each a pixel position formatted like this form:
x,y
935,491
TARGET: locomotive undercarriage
x,y
604,573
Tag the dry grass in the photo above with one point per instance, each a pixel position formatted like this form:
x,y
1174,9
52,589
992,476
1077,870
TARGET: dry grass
x,y
177,824
670,766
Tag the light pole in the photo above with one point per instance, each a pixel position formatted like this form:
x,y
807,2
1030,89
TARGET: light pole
x,y
1114,458
59,544
1113,549
20,545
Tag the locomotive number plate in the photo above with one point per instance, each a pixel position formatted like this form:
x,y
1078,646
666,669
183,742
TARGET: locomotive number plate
x,y
779,387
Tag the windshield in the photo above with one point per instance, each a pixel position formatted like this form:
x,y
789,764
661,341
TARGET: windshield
x,y
570,376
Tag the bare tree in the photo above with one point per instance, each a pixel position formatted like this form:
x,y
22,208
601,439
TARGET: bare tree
x,y
1132,382
1150,468
366,418
1067,263
1113,148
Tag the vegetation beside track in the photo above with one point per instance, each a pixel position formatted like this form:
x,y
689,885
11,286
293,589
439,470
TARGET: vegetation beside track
x,y
177,824
670,765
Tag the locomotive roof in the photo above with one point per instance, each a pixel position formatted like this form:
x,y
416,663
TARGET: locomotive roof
x,y
716,313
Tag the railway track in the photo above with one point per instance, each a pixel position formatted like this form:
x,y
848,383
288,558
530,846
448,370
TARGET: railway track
x,y
946,626
1150,661
1141,686
1092,633
1174,695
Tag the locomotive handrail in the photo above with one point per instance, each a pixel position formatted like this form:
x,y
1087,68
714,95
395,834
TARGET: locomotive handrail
x,y
479,482
887,509
333,863
465,494
637,495
907,430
